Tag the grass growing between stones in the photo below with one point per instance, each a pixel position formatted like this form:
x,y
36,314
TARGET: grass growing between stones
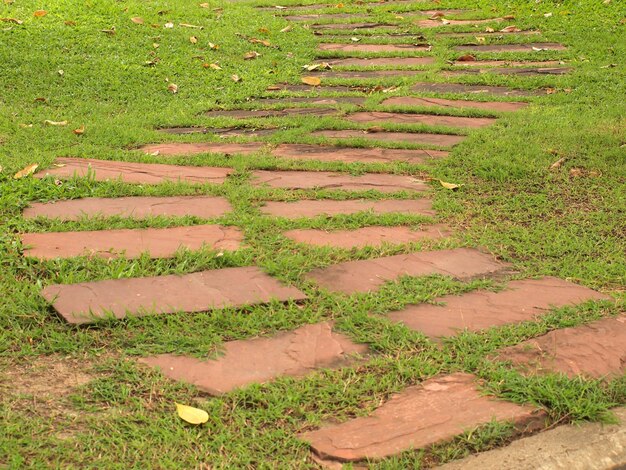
x,y
568,222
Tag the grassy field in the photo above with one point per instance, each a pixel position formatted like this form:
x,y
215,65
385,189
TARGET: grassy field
x,y
87,63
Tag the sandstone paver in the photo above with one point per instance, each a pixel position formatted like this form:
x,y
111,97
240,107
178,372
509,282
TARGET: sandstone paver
x,y
322,16
367,275
440,22
293,353
381,62
427,119
329,153
497,106
131,243
349,26
340,47
524,300
221,132
527,47
136,207
183,148
317,89
506,63
315,100
441,140
365,74
510,71
263,113
87,302
130,172
436,411
473,34
477,89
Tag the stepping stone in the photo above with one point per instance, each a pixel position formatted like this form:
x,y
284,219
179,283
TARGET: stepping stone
x,y
294,353
511,71
205,207
482,89
438,23
354,26
88,302
368,275
366,236
131,243
331,17
316,207
383,62
448,12
522,301
442,140
223,133
497,106
505,63
182,148
129,172
450,34
372,47
336,36
596,350
366,74
426,119
382,182
319,6
529,47
315,100
327,153
263,113
319,89
436,411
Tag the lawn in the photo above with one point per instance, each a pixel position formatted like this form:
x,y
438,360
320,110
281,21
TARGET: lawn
x,y
87,63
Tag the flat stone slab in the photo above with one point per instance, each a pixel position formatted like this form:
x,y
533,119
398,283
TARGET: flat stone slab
x,y
205,207
436,411
453,34
372,47
447,22
473,89
415,101
506,63
525,300
382,182
130,243
315,100
442,140
510,71
367,236
382,62
528,47
579,446
88,302
317,207
222,132
446,12
328,153
426,119
318,89
596,350
182,148
264,113
370,25
130,172
322,16
365,74
294,353
368,275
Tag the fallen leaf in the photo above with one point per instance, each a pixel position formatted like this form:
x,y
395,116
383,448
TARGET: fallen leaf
x,y
155,45
235,78
110,32
213,46
26,126
40,13
172,88
263,30
273,88
61,72
355,39
193,40
374,129
339,5
212,66
510,29
70,23
280,7
444,21
576,172
509,17
168,25
437,15
547,15
80,130
58,182
41,100
558,163
260,41
480,39
29,170
466,58
286,29
137,20
191,415
55,123
11,20
204,5
187,25
398,17
489,30
251,55
452,186
313,81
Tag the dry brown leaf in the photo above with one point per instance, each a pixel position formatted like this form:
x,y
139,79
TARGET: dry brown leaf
x,y
251,55
235,78
213,46
70,23
110,32
29,170
193,40
263,30
489,30
40,13
510,29
576,172
41,100
313,81
172,88
451,186
286,29
260,41
466,58
137,20
11,20
509,17
273,88
211,66
26,126
80,130
558,163
55,123
187,25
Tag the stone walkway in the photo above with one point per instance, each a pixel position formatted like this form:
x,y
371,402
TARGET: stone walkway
x,y
434,411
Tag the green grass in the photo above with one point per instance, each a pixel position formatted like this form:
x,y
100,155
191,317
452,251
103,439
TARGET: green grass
x,y
544,222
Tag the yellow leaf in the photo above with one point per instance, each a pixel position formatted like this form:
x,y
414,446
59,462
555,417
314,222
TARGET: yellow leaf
x,y
29,170
313,81
212,66
173,88
235,78
55,123
450,185
137,20
187,25
80,130
204,5
192,415
40,13
11,20
213,46
286,29
193,40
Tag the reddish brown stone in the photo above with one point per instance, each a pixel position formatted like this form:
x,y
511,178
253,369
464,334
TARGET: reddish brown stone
x,y
372,47
438,23
366,236
332,16
597,350
249,114
414,101
447,12
222,132
505,63
442,140
511,71
182,148
219,288
367,275
528,47
365,74
381,182
205,207
319,89
478,89
294,353
314,208
426,119
318,6
158,242
522,301
420,416
473,34
354,26
315,100
130,172
382,61
329,153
